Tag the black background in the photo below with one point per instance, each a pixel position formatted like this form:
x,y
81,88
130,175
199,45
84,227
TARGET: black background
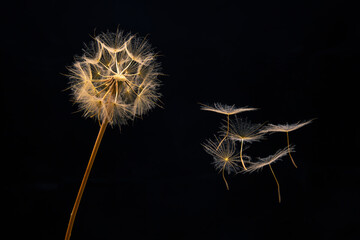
x,y
295,60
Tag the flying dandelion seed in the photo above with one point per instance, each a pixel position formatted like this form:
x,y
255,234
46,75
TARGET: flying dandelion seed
x,y
271,128
243,131
114,81
225,157
267,161
225,110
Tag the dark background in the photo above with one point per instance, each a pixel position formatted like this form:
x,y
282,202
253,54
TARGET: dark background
x,y
295,60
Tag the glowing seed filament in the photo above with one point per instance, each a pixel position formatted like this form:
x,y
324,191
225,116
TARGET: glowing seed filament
x,y
223,171
241,158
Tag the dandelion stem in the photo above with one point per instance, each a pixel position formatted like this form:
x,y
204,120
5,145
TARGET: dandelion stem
x,y
288,142
223,175
277,183
227,132
241,148
85,178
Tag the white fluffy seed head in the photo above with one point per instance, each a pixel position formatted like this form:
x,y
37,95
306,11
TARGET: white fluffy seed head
x,y
116,78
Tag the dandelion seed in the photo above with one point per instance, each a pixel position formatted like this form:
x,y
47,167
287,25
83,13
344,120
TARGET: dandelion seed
x,y
267,161
225,157
285,127
243,131
226,110
271,128
114,81
262,162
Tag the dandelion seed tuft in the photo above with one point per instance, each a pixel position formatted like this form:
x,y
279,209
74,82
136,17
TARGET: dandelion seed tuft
x,y
225,109
285,127
225,156
262,162
242,129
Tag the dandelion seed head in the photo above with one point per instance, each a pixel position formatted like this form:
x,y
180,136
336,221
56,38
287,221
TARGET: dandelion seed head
x,y
225,109
116,78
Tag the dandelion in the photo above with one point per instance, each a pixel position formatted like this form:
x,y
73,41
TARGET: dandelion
x,y
225,156
114,81
286,128
116,78
267,161
226,110
244,131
